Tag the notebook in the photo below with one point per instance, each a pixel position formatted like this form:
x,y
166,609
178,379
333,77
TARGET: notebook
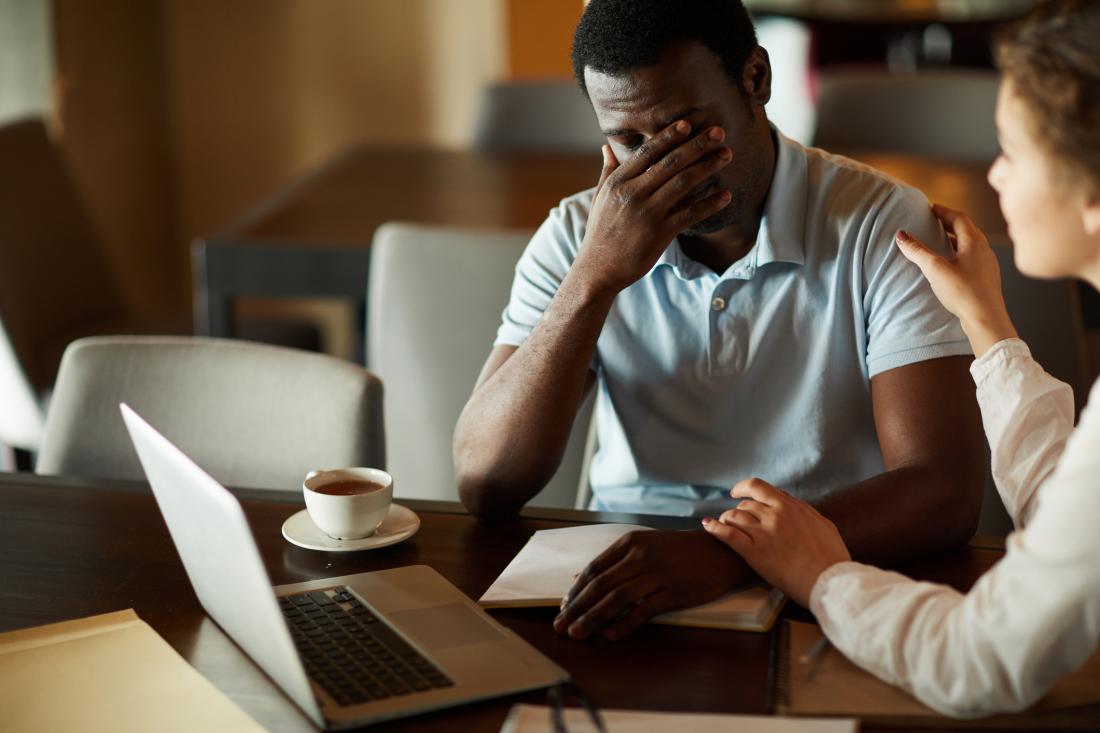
x,y
545,569
537,719
836,687
107,673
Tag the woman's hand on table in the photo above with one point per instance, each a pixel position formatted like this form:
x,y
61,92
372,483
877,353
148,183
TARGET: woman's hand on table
x,y
970,284
784,539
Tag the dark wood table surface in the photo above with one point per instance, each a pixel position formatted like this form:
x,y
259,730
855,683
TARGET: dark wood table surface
x,y
312,238
74,547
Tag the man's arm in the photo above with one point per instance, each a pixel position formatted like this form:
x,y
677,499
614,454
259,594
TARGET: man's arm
x,y
512,433
929,497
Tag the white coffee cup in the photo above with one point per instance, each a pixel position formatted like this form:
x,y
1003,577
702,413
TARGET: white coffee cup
x,y
351,513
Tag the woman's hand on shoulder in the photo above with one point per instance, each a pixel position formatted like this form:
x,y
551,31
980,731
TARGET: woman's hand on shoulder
x,y
785,540
970,284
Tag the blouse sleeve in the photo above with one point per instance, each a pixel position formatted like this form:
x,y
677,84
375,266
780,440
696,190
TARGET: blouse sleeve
x,y
1028,416
1035,616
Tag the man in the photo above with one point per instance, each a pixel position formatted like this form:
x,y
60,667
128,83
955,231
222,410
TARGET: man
x,y
741,307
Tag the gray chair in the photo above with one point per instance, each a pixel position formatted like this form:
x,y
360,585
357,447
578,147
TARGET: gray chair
x,y
1047,316
250,414
551,116
944,114
435,301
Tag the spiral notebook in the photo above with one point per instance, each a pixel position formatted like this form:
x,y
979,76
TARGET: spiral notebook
x,y
545,569
833,686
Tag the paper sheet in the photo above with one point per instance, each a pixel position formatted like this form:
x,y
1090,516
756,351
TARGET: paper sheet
x,y
536,719
107,674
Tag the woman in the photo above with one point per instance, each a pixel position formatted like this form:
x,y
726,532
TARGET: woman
x,y
1035,616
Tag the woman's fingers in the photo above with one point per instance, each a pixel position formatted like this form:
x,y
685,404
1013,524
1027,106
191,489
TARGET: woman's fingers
x,y
738,539
918,253
958,223
757,490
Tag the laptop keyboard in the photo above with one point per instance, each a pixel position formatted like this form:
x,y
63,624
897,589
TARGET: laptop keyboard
x,y
351,653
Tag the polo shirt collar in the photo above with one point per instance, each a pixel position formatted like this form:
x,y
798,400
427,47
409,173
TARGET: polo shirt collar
x,y
782,233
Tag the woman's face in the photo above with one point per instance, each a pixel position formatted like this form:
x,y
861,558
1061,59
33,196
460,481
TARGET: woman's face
x,y
1043,202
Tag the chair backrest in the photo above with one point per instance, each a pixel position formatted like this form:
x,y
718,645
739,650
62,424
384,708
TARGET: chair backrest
x,y
435,302
944,114
548,116
1047,316
251,415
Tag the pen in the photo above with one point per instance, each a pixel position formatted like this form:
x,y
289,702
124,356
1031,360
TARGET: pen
x,y
813,656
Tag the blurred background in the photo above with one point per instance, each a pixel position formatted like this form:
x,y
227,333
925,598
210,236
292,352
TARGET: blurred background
x,y
222,167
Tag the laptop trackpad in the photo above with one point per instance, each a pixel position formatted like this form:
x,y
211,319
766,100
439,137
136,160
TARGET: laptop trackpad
x,y
442,627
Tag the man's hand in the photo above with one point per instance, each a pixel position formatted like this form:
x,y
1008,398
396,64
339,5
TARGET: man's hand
x,y
640,206
643,574
783,538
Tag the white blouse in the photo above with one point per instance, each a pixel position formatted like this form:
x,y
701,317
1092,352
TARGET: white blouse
x,y
1035,616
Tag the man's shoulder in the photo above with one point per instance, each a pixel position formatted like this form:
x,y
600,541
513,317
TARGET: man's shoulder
x,y
564,227
576,206
837,178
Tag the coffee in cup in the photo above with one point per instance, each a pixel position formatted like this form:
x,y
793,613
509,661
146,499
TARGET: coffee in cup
x,y
348,503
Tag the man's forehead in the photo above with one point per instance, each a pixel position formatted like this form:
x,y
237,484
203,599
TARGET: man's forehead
x,y
682,82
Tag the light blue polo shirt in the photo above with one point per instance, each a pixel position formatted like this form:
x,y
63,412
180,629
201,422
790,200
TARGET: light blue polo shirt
x,y
764,370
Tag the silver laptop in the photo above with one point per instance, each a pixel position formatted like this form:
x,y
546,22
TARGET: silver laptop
x,y
348,650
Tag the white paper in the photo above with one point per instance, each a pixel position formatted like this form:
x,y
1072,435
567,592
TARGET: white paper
x,y
536,719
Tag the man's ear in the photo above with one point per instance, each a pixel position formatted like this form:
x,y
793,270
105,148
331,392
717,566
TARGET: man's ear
x,y
756,80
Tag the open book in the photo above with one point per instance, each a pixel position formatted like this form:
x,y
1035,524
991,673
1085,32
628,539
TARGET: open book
x,y
834,686
545,569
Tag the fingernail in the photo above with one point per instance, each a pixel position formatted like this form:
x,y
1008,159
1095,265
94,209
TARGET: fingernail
x,y
903,236
682,126
707,520
715,133
725,154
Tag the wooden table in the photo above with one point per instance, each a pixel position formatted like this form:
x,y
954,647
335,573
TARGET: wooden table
x,y
312,238
72,548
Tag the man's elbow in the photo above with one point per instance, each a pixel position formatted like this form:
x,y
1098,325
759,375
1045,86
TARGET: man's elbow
x,y
485,498
961,505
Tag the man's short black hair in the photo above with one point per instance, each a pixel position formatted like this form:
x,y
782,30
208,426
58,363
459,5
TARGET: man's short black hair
x,y
618,36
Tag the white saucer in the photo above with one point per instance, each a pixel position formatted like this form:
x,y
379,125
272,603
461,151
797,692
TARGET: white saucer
x,y
400,524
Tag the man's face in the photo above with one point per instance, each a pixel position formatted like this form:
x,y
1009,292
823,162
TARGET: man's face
x,y
690,83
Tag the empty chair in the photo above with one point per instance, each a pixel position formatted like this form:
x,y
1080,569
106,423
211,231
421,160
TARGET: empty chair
x,y
250,414
1047,315
435,301
551,116
944,114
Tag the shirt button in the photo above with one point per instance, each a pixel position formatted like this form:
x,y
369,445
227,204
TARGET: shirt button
x,y
718,304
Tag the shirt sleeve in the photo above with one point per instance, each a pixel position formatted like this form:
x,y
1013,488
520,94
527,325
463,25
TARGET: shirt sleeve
x,y
1028,417
904,320
541,269
1033,618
